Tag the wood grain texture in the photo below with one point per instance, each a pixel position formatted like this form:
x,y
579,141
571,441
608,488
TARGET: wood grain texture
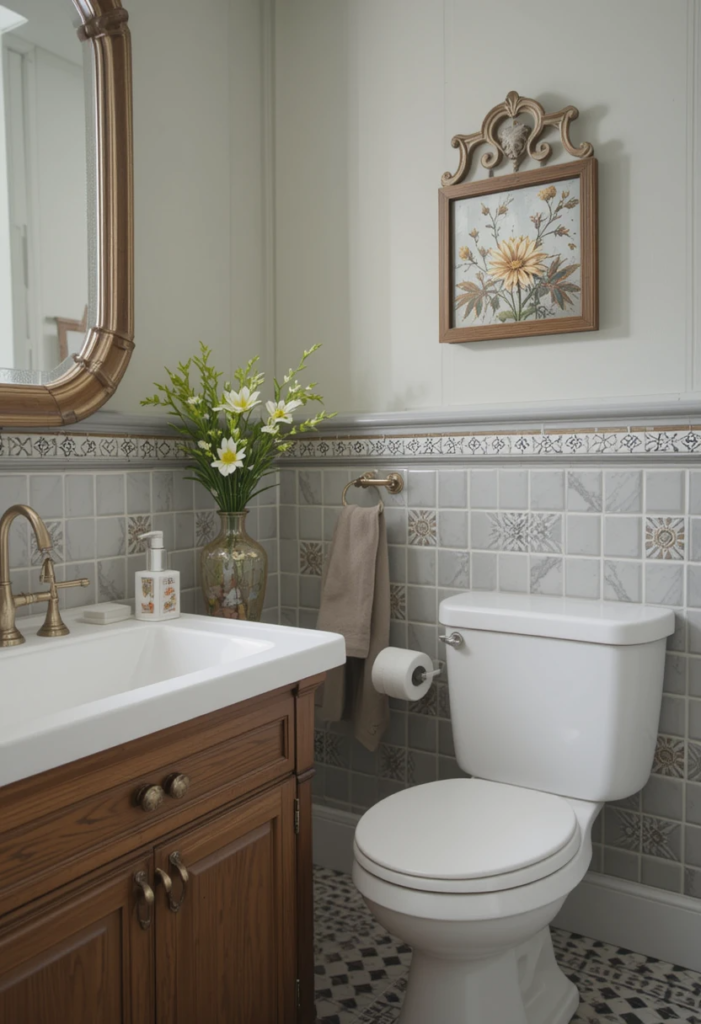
x,y
228,956
59,825
83,959
586,171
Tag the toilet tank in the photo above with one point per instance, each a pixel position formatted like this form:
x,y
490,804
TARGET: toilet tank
x,y
556,694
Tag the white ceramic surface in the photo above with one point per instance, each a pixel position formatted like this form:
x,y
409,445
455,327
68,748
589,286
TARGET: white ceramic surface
x,y
65,698
565,617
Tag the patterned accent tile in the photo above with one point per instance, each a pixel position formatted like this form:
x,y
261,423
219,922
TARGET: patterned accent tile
x,y
664,537
206,527
397,601
56,533
136,525
393,763
361,971
661,838
669,757
422,527
694,763
311,558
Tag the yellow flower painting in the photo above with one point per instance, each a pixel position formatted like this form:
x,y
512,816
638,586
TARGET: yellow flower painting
x,y
523,262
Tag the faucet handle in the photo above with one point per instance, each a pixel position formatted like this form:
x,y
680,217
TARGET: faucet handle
x,y
53,623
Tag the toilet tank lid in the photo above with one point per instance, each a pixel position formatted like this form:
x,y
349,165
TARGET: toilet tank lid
x,y
596,622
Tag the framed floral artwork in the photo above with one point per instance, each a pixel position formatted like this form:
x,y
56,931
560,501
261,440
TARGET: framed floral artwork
x,y
518,252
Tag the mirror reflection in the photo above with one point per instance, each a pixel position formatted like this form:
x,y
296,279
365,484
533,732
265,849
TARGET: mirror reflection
x,y
43,186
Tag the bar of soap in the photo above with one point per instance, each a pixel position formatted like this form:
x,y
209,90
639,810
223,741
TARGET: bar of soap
x,y
107,613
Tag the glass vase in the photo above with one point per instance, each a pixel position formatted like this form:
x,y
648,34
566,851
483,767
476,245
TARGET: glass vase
x,y
234,571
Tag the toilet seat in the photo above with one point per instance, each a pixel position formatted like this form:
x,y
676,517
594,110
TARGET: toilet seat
x,y
467,836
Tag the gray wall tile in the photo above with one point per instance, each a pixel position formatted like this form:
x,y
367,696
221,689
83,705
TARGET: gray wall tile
x,y
584,491
622,581
665,490
664,583
583,577
483,488
513,489
623,536
623,491
421,488
583,535
452,488
513,573
547,489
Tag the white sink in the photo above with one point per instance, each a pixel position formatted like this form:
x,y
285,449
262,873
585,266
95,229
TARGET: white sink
x,y
68,697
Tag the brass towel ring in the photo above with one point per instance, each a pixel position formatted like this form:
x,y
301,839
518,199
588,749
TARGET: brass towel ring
x,y
394,483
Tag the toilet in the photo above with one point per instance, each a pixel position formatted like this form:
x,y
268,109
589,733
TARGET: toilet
x,y
555,705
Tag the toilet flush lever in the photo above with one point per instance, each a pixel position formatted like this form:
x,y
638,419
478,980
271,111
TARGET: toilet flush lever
x,y
453,640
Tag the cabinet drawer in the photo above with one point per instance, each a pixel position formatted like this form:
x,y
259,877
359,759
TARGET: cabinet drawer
x,y
57,826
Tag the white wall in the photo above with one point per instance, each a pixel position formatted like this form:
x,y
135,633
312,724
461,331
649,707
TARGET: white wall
x,y
368,96
197,182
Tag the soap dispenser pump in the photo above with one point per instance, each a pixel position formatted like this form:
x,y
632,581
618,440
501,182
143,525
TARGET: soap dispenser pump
x,y
156,589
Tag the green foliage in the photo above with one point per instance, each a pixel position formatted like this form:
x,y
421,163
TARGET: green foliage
x,y
231,448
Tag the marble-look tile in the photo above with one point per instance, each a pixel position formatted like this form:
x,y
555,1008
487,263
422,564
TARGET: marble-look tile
x,y
584,491
622,581
184,530
310,489
111,536
288,522
694,549
309,591
421,604
452,529
452,488
664,491
80,597
624,490
184,562
422,529
14,490
661,874
583,535
694,678
138,493
513,573
183,492
288,485
622,536
483,488
547,489
80,539
483,570
310,526
421,488
693,586
396,521
665,537
664,796
454,569
397,563
20,551
110,494
545,575
56,532
695,719
583,577
483,530
80,494
162,491
111,580
513,489
664,583
695,492
421,566
675,672
692,846
46,495
673,715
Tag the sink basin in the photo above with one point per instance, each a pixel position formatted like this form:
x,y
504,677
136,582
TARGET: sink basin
x,y
65,698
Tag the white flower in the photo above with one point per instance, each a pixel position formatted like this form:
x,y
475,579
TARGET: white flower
x,y
204,445
238,401
279,412
271,428
195,400
230,457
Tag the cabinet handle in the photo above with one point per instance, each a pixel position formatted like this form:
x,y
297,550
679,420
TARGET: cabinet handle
x,y
177,786
164,879
175,860
150,798
144,900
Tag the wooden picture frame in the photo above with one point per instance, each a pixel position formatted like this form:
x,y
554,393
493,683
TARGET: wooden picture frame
x,y
109,338
519,252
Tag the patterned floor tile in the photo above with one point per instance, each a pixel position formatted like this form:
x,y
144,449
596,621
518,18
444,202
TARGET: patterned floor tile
x,y
361,971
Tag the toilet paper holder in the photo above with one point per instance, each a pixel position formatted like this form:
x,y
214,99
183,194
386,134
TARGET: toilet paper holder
x,y
419,676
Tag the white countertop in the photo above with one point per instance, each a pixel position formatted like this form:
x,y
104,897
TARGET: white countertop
x,y
68,697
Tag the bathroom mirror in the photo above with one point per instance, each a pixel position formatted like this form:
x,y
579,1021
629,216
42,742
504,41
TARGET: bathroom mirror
x,y
66,212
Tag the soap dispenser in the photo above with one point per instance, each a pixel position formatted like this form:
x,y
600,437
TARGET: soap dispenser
x,y
156,589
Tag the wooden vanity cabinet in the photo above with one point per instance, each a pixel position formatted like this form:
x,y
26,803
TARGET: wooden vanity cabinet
x,y
198,911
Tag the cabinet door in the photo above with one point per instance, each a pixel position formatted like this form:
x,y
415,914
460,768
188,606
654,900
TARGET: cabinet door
x,y
80,958
228,954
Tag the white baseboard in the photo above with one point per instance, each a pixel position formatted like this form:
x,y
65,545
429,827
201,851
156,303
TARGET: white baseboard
x,y
649,921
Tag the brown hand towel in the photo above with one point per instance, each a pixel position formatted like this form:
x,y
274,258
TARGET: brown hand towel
x,y
355,603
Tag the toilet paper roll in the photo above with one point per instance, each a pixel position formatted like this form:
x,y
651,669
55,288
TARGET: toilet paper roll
x,y
400,673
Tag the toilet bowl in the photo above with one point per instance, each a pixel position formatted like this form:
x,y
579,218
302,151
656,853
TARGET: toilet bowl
x,y
554,709
470,874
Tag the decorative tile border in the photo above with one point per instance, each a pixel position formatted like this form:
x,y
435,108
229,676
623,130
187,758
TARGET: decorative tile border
x,y
86,450
506,444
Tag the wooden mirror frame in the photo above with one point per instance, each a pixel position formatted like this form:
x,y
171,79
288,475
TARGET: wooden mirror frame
x,y
109,341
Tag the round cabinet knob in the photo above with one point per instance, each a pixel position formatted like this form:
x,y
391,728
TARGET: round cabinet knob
x,y
177,786
150,798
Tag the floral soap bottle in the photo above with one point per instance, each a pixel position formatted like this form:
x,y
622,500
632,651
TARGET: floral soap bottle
x,y
156,589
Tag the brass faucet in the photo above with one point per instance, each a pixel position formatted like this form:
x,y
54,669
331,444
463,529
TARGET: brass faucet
x,y
10,636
